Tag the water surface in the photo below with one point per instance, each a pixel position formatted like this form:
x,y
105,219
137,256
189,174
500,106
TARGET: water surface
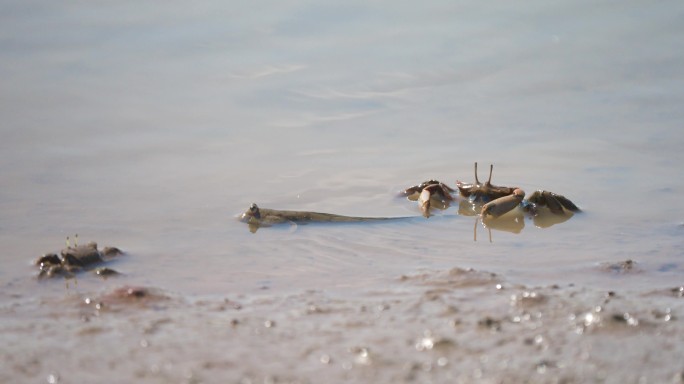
x,y
151,128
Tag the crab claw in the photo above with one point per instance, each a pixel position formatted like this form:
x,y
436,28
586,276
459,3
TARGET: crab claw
x,y
504,204
554,201
424,201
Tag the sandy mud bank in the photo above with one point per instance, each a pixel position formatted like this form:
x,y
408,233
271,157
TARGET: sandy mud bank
x,y
432,326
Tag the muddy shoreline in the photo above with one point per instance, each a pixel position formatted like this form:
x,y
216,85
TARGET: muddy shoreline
x,y
457,325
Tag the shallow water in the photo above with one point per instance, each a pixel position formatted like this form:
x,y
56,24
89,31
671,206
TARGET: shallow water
x,y
152,129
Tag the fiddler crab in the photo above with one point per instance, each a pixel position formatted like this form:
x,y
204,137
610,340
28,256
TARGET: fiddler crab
x,y
499,200
429,194
490,201
75,258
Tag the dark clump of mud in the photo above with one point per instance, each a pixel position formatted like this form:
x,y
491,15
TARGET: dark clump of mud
x,y
457,325
627,266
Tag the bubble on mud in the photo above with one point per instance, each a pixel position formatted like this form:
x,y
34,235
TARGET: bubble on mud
x,y
626,318
527,299
543,365
426,343
521,318
585,321
362,355
591,319
314,309
665,315
325,359
429,342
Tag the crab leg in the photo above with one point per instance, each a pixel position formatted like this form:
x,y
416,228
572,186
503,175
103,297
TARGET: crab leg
x,y
504,204
491,168
477,182
554,201
475,229
553,204
569,205
489,230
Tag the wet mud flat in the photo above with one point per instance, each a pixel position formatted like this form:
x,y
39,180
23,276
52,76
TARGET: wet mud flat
x,y
453,325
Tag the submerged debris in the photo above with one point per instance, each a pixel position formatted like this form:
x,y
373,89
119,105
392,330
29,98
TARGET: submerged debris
x,y
627,266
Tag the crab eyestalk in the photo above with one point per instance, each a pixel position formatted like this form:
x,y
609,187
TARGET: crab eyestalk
x,y
504,204
489,180
491,169
483,191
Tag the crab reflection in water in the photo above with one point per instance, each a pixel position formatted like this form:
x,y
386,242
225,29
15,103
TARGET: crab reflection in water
x,y
512,221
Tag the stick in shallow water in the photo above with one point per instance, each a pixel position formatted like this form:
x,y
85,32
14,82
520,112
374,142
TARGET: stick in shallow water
x,y
263,217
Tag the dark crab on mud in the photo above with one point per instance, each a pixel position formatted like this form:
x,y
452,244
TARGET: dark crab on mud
x,y
76,258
